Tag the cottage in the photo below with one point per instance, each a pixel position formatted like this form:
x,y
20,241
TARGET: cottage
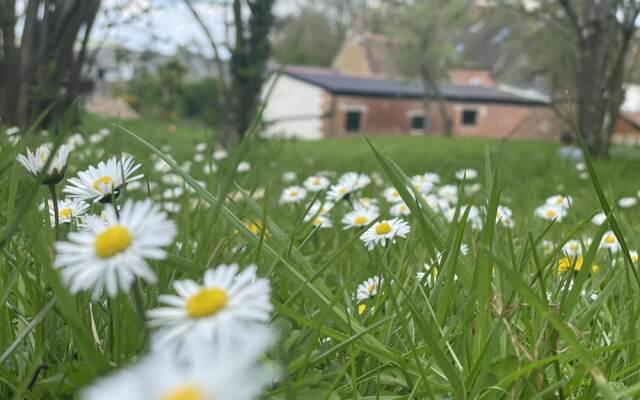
x,y
312,103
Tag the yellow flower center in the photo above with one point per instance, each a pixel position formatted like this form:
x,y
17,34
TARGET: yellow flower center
x,y
112,241
342,190
361,308
293,193
98,183
185,392
383,228
610,239
550,213
65,213
318,221
360,220
207,302
372,287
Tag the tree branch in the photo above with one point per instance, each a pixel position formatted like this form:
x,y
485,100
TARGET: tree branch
x,y
214,46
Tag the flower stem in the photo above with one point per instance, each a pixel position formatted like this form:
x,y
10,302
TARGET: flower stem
x,y
56,217
138,301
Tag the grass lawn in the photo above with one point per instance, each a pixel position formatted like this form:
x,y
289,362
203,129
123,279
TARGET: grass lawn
x,y
529,171
440,304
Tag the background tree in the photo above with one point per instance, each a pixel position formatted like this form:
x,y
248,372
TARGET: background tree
x,y
42,54
250,49
308,37
424,47
585,48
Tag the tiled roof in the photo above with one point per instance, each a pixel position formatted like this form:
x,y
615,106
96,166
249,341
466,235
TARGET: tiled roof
x,y
339,84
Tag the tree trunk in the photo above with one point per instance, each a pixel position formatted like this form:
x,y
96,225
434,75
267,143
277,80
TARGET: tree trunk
x,y
590,113
45,70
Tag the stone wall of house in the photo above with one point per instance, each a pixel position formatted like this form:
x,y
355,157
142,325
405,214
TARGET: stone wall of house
x,y
393,117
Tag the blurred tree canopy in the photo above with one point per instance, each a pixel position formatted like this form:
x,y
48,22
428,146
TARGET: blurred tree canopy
x,y
167,93
308,38
584,47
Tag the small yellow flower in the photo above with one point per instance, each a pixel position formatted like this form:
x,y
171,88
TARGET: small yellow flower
x,y
565,263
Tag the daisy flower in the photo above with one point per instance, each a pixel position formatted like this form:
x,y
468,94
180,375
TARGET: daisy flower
x,y
449,193
551,212
12,131
358,218
35,162
399,209
431,274
101,183
392,195
572,248
354,180
383,232
338,192
367,203
466,174
198,157
293,194
161,166
470,190
289,176
220,155
599,218
209,169
200,147
473,218
548,246
243,167
634,255
369,288
559,201
321,221
172,179
68,209
610,242
504,216
224,304
112,255
316,183
431,177
206,373
318,208
421,184
627,202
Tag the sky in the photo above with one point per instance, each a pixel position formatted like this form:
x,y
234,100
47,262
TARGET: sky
x,y
163,25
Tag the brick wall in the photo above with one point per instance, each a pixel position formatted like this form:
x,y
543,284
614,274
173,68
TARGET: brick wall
x,y
392,117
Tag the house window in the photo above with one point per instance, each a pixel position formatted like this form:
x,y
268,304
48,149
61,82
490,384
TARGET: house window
x,y
469,117
353,121
418,123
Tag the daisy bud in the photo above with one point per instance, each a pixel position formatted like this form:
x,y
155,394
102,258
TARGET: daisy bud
x,y
35,163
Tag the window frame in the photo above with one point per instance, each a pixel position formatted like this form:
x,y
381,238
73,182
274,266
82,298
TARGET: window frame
x,y
469,111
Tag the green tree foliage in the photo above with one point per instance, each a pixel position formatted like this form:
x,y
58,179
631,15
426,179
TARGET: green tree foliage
x,y
584,47
424,48
309,37
168,94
